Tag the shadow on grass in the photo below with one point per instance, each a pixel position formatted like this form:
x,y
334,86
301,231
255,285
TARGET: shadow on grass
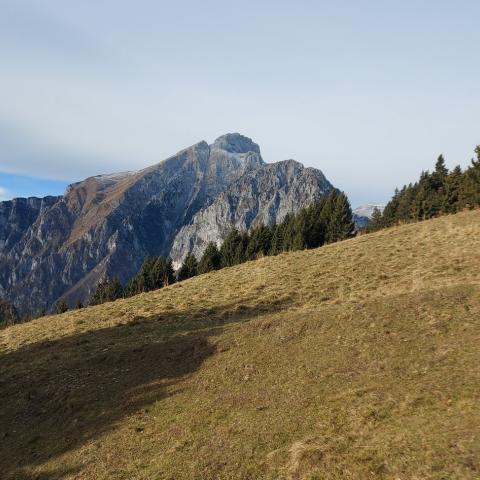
x,y
57,395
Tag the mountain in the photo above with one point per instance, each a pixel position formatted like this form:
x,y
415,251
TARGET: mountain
x,y
363,214
367,210
356,360
60,247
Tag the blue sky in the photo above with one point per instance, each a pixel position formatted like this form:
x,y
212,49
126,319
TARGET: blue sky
x,y
370,92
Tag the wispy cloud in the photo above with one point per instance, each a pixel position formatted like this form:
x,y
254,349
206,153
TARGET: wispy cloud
x,y
4,194
25,154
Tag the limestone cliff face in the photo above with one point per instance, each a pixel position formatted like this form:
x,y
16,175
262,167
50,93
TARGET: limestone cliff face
x,y
60,247
263,195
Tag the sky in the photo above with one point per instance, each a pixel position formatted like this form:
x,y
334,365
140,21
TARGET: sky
x,y
370,92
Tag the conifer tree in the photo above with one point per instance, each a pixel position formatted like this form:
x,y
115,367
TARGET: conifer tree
x,y
211,259
61,307
453,185
326,215
115,290
390,212
423,202
233,249
107,291
278,236
341,224
145,277
470,194
143,281
404,204
376,222
170,273
189,267
314,228
161,273
441,171
294,231
259,242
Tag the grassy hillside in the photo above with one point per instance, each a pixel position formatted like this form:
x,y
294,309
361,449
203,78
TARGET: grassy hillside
x,y
356,360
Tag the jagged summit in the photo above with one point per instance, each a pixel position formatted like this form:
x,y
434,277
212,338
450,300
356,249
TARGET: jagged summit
x,y
236,143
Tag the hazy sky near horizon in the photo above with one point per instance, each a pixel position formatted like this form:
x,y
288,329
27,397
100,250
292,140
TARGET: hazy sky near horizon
x,y
370,92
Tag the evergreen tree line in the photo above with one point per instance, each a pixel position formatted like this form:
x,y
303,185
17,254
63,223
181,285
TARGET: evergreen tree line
x,y
327,220
435,193
155,273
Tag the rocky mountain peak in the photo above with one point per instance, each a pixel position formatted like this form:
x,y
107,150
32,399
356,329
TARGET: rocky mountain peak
x,y
236,143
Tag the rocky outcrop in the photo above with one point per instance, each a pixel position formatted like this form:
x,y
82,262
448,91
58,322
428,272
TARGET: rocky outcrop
x,y
17,215
264,195
60,247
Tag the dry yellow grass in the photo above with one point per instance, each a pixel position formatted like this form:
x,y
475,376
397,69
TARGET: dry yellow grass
x,y
356,360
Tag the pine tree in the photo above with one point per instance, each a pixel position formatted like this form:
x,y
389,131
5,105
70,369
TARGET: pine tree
x,y
376,222
470,191
211,259
144,280
233,249
441,171
423,203
453,185
326,215
259,242
99,296
341,224
61,307
404,203
170,273
278,236
294,233
159,273
115,290
390,212
314,228
79,305
144,276
189,267
107,291
437,183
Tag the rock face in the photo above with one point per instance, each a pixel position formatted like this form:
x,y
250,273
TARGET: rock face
x,y
263,195
60,247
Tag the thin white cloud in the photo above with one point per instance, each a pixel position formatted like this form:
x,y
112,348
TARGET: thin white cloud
x,y
4,194
24,154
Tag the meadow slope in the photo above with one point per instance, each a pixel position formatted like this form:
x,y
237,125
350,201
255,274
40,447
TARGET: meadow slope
x,y
355,360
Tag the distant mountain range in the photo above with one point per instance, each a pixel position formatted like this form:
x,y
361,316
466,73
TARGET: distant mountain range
x,y
367,210
60,247
363,214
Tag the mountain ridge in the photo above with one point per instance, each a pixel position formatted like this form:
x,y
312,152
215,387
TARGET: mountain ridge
x,y
106,224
